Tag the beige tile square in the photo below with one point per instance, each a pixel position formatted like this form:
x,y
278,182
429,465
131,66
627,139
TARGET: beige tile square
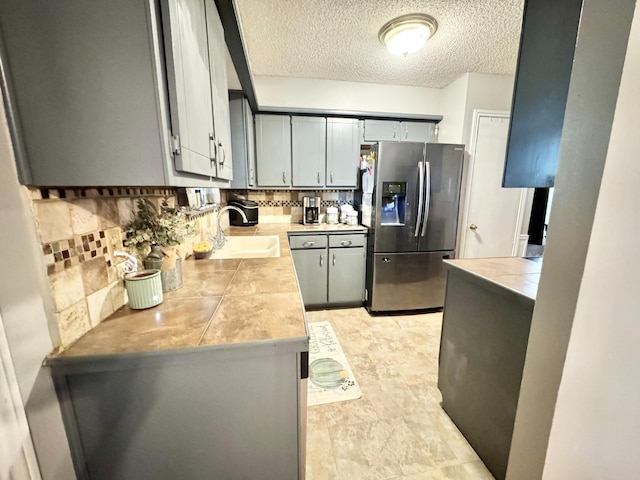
x,y
118,295
67,287
100,305
94,274
107,211
54,220
321,463
83,216
126,210
73,322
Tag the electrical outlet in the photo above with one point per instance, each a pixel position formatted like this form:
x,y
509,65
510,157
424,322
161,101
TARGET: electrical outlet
x,y
113,238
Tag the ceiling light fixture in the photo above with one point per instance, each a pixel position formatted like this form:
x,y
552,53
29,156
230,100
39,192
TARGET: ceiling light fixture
x,y
408,33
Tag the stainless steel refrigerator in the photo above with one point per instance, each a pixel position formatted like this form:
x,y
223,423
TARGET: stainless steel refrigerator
x,y
412,215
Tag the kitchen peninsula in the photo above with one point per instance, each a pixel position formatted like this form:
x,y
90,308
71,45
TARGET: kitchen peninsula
x,y
487,316
209,382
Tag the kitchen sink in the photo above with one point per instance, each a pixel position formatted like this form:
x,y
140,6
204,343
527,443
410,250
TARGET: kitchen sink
x,y
267,246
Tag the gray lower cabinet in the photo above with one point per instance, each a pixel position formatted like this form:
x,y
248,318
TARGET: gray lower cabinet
x,y
115,93
190,415
273,150
311,268
330,268
346,275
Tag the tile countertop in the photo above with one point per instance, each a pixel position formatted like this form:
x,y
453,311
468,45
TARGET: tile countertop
x,y
519,275
222,303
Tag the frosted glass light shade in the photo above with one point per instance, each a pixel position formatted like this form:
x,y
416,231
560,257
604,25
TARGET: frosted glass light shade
x,y
407,34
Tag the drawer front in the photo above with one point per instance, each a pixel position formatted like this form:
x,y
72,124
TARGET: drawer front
x,y
307,241
356,240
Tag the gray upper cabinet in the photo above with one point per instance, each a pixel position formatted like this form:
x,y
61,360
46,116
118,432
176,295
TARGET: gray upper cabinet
x,y
221,132
378,130
308,149
417,131
104,93
273,150
242,144
343,152
186,40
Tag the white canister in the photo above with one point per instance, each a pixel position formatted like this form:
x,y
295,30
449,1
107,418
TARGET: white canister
x,y
144,288
352,218
344,211
332,214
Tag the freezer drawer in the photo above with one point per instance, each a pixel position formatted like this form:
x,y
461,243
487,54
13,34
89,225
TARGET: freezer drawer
x,y
408,281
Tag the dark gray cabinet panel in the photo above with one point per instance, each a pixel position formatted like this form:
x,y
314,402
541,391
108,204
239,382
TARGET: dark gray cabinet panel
x,y
343,152
547,44
273,150
311,269
308,150
346,275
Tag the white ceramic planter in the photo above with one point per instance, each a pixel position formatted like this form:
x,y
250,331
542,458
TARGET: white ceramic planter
x,y
144,288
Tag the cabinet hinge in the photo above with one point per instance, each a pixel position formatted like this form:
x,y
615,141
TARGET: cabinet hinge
x,y
175,144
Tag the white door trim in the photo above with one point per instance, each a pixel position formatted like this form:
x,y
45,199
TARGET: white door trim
x,y
24,465
477,115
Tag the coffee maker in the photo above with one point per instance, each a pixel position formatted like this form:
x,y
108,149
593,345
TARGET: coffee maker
x,y
310,210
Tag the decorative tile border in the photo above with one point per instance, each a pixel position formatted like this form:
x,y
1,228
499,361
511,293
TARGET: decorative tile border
x,y
73,251
98,192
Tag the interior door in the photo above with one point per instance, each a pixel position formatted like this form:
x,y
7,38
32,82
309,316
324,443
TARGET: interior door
x,y
189,84
396,196
493,215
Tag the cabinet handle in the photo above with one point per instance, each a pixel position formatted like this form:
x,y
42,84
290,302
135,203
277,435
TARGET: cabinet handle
x,y
346,243
394,131
224,154
308,244
321,260
331,175
318,177
284,177
251,173
213,148
406,132
334,260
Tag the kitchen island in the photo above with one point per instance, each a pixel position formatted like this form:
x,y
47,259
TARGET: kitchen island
x,y
485,329
211,383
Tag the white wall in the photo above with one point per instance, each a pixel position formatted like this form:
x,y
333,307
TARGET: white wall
x,y
335,95
486,92
561,303
597,417
24,297
453,102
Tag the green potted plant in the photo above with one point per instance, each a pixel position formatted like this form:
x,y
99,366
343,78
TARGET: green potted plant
x,y
160,230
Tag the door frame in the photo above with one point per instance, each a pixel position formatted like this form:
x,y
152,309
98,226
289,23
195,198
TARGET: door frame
x,y
478,114
28,466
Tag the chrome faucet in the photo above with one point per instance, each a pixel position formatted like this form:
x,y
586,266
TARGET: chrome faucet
x,y
219,239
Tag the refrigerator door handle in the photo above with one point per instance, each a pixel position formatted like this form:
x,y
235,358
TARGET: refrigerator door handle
x,y
427,197
420,197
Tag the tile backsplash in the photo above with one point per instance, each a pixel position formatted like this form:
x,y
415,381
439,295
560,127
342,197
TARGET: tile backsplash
x,y
79,229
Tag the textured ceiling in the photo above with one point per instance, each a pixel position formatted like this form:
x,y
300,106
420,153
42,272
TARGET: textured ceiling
x,y
338,39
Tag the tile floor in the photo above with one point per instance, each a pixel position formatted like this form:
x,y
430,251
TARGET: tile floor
x,y
397,429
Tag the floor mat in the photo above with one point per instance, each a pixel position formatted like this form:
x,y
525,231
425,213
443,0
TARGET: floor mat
x,y
330,376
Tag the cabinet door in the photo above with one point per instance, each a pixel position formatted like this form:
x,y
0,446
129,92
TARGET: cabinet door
x,y
343,152
221,148
273,150
376,130
346,275
190,84
308,150
251,144
417,131
311,269
239,144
